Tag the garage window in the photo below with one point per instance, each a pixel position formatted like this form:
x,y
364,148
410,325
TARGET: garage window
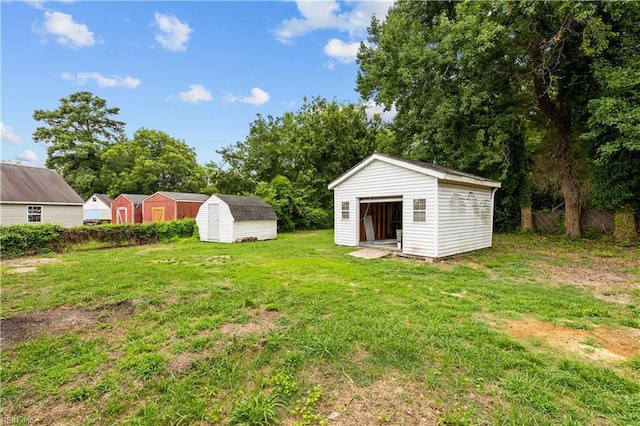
x,y
345,210
34,214
420,210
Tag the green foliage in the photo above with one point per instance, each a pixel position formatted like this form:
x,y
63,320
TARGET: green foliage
x,y
78,133
24,240
152,161
255,410
290,160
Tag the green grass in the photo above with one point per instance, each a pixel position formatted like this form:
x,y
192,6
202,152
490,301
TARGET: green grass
x,y
271,330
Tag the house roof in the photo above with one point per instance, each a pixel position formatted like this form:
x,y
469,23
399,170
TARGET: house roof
x,y
134,198
248,208
35,185
102,197
183,196
429,169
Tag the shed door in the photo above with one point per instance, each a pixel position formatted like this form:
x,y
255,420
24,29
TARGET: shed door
x,y
214,222
157,214
121,215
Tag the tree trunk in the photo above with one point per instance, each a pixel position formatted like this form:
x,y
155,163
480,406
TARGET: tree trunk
x,y
526,218
558,116
625,223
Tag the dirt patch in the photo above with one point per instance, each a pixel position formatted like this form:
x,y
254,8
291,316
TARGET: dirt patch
x,y
184,361
21,270
29,261
261,321
600,344
57,321
385,401
606,282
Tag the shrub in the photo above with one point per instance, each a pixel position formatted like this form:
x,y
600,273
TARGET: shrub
x,y
21,240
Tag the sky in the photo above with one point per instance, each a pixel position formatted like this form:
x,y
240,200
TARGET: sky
x,y
199,71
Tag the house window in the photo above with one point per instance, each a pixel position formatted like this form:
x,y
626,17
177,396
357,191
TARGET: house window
x,y
345,210
420,210
34,214
95,199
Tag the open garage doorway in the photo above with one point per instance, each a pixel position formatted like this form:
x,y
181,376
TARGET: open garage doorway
x,y
380,220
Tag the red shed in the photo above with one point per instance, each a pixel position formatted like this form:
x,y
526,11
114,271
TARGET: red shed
x,y
165,206
127,208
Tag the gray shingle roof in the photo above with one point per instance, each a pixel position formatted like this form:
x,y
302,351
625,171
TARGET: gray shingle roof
x,y
134,198
184,196
437,168
103,197
35,185
248,208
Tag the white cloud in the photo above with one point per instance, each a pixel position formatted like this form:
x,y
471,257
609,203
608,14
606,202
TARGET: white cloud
x,y
7,135
102,81
196,93
173,34
343,52
67,32
373,108
258,97
317,15
27,156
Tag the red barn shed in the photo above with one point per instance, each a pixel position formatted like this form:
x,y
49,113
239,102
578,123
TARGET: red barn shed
x,y
165,206
127,208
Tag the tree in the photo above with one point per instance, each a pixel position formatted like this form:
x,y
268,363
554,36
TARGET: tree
x,y
78,133
613,126
152,161
468,78
307,148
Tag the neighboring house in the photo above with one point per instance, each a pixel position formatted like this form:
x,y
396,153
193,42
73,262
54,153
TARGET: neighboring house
x,y
233,218
127,208
440,212
36,195
97,208
165,206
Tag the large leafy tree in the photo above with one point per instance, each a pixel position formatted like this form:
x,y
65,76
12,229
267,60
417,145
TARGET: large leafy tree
x,y
296,155
152,161
470,78
77,134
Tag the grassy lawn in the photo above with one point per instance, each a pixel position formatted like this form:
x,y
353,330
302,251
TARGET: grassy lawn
x,y
537,330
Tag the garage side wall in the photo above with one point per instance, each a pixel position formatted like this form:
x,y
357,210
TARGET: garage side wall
x,y
465,221
16,214
381,179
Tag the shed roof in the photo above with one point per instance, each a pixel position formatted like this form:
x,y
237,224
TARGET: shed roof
x,y
102,197
35,185
248,208
183,196
134,198
420,167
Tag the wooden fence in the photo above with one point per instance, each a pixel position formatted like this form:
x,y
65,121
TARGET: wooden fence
x,y
590,220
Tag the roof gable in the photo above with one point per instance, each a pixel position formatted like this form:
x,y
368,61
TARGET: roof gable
x,y
248,208
428,169
104,198
134,198
183,196
35,185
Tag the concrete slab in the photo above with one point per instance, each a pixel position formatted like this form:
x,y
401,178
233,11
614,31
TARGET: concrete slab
x,y
370,253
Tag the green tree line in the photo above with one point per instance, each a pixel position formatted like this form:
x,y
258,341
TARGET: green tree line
x,y
543,96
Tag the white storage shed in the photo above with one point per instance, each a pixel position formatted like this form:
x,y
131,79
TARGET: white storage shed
x,y
440,212
97,208
235,218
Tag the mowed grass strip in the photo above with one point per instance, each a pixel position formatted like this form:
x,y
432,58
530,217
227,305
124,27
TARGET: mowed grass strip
x,y
295,331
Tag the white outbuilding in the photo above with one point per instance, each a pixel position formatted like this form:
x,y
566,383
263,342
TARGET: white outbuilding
x,y
423,209
235,218
97,208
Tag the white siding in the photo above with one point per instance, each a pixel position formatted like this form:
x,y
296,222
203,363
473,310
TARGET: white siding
x,y
230,231
380,179
226,221
16,214
96,210
260,229
465,218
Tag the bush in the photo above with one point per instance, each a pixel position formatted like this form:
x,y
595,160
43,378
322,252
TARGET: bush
x,y
21,240
25,240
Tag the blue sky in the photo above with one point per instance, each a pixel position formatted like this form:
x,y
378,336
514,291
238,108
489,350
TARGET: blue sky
x,y
199,71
